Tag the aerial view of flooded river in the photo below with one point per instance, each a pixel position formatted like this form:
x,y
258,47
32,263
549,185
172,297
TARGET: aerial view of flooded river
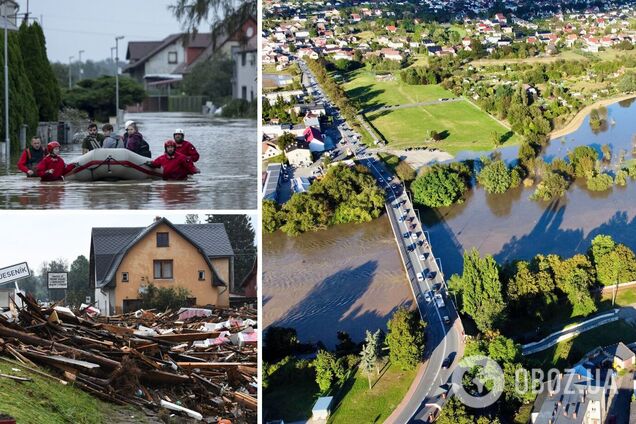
x,y
228,165
350,277
510,226
346,278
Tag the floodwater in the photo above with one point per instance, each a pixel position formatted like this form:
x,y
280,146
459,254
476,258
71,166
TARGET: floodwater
x,y
228,178
510,226
346,278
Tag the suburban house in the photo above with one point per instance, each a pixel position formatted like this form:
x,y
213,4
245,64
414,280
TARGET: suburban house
x,y
269,150
621,356
124,261
299,154
154,61
314,138
244,55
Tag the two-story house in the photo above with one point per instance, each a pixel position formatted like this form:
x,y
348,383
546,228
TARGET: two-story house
x,y
125,260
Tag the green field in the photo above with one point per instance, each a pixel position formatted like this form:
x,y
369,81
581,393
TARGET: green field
x,y
568,352
361,405
465,127
362,87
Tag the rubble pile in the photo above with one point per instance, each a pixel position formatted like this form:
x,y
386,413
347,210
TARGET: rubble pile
x,y
199,363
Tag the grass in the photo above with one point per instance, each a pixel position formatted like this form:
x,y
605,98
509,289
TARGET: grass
x,y
568,352
390,160
46,401
291,402
361,405
290,70
362,87
466,127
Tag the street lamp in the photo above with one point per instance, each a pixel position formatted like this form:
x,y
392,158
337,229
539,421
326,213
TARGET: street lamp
x,y
80,64
70,66
117,79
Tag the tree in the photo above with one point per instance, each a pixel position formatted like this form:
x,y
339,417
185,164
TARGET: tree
x,y
405,172
441,186
165,298
271,216
482,291
22,106
231,15
304,212
370,353
210,78
39,71
552,186
495,177
328,370
242,238
285,140
192,218
405,338
279,342
95,96
78,287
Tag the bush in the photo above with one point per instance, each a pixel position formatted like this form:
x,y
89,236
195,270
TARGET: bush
x,y
495,177
441,186
553,185
239,108
599,182
405,172
164,298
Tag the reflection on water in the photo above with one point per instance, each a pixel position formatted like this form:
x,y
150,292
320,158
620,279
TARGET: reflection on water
x,y
510,226
228,165
346,278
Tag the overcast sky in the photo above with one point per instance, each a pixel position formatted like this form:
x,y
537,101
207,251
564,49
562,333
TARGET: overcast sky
x,y
74,25
38,236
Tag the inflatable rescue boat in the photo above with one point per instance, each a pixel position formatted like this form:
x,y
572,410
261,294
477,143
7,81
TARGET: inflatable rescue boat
x,y
112,165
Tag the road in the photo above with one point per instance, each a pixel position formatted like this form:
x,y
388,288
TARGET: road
x,y
426,278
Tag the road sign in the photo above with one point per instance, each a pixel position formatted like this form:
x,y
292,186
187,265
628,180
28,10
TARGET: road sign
x,y
57,280
14,272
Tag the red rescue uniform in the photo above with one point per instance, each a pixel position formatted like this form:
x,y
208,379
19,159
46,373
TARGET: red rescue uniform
x,y
175,167
58,166
188,149
30,159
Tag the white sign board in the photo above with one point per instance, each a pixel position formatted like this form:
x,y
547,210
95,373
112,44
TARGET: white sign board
x,y
57,280
14,272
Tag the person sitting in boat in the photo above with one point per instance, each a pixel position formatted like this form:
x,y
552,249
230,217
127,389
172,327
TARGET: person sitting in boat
x,y
125,136
111,141
175,165
135,141
31,157
52,167
184,146
93,140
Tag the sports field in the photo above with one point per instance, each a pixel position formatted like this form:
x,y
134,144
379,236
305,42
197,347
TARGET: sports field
x,y
363,87
463,125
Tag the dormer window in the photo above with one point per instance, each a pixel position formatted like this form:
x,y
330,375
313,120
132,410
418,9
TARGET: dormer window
x,y
172,58
163,240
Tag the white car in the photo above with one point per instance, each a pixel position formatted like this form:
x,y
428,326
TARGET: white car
x,y
427,297
420,277
422,257
414,236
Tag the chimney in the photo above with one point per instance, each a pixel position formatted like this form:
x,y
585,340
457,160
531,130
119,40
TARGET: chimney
x,y
157,218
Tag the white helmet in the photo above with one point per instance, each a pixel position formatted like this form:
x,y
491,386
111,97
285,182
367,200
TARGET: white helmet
x,y
128,123
179,131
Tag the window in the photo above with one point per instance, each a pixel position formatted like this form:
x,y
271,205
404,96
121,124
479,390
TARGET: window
x,y
163,269
163,240
201,275
243,59
244,92
172,57
124,277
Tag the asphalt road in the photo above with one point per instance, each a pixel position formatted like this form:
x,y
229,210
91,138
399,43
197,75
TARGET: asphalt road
x,y
442,340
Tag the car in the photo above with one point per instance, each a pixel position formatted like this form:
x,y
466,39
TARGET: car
x,y
420,277
423,257
446,319
420,242
437,286
414,235
410,248
431,274
427,297
448,361
407,234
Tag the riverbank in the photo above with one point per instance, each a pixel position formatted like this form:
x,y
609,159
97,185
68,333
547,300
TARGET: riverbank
x,y
578,119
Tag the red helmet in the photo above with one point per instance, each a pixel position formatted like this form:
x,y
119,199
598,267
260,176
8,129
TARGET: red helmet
x,y
170,143
52,145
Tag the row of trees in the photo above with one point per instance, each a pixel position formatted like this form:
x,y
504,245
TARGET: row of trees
x,y
344,195
335,91
493,295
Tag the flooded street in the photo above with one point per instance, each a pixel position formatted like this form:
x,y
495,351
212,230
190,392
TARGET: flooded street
x,y
346,278
227,180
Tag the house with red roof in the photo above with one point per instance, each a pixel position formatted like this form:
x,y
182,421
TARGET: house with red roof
x,y
315,140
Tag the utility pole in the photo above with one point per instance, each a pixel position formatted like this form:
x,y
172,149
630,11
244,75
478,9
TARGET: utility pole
x,y
80,64
70,66
117,79
7,143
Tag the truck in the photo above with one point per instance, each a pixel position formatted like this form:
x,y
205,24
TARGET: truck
x,y
439,300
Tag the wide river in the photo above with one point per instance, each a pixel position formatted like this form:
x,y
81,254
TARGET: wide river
x,y
228,178
350,277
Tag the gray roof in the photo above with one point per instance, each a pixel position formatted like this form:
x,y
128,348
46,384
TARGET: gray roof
x,y
109,246
139,52
620,351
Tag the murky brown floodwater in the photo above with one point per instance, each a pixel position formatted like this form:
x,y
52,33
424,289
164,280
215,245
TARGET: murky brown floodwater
x,y
228,165
346,278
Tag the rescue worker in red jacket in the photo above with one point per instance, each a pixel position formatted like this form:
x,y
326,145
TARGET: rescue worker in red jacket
x,y
175,165
52,167
184,146
31,157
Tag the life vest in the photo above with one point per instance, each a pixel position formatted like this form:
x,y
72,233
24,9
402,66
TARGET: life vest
x,y
33,160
